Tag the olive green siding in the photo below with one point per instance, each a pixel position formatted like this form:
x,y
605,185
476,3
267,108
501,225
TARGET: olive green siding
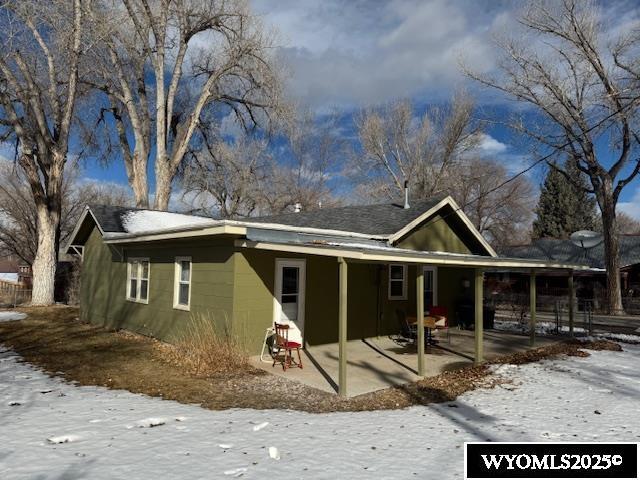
x,y
236,285
436,235
104,279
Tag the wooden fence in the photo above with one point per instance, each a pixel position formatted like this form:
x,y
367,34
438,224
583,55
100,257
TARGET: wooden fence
x,y
13,293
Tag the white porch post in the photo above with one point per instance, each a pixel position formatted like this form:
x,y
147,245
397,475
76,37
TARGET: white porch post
x,y
420,317
342,327
478,329
532,308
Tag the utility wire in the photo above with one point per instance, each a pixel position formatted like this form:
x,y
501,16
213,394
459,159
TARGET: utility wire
x,y
537,162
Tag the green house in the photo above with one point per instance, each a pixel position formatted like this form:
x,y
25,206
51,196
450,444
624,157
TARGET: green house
x,y
334,274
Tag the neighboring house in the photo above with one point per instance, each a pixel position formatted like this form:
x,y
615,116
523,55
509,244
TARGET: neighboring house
x,y
9,271
151,271
591,283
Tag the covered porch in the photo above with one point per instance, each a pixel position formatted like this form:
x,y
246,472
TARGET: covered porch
x,y
349,361
376,363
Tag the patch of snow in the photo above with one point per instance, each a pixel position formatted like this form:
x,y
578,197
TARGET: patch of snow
x,y
64,439
141,221
542,328
149,423
260,426
8,316
274,453
621,337
9,276
554,400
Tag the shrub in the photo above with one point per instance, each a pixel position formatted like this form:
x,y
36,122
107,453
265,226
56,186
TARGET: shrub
x,y
209,347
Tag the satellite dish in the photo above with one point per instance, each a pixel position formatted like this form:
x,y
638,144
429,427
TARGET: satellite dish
x,y
586,238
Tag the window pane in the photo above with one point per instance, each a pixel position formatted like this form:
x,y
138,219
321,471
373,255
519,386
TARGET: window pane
x,y
290,280
134,270
133,287
145,270
396,289
185,267
183,294
397,272
289,298
428,280
144,289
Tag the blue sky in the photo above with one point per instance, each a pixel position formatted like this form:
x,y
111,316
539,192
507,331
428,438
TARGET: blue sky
x,y
345,55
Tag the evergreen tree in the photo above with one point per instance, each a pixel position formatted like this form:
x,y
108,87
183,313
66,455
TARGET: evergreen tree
x,y
563,207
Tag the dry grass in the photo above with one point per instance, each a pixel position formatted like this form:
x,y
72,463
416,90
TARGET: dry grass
x,y
208,348
55,340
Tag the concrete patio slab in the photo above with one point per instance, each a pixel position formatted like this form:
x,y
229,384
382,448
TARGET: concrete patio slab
x,y
377,363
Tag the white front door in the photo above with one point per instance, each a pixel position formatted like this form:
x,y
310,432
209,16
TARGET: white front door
x,y
289,296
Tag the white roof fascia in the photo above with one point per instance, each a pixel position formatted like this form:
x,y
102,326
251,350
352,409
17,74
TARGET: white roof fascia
x,y
452,203
403,256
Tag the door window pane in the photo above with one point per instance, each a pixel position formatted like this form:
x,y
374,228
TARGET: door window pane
x,y
396,289
396,272
290,280
144,289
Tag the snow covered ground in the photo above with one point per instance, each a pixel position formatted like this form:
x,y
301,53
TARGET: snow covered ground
x,y
9,316
51,429
9,277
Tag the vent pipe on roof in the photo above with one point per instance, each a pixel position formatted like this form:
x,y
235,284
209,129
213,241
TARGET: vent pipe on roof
x,y
406,194
297,208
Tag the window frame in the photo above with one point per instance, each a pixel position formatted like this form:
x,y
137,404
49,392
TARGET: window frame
x,y
139,278
177,282
404,267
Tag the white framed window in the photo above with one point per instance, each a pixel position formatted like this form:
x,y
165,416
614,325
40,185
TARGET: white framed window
x,y
182,283
138,270
397,281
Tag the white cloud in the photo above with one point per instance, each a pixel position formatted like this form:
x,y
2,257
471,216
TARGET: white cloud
x,y
490,146
632,207
355,53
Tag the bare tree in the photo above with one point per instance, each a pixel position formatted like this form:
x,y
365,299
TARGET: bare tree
x,y
500,211
397,146
167,62
627,225
243,177
226,179
562,68
41,47
18,212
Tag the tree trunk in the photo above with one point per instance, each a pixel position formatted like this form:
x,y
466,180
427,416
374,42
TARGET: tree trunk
x,y
611,254
46,259
138,179
164,179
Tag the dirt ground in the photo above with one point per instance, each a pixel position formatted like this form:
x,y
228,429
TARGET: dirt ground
x,y
54,339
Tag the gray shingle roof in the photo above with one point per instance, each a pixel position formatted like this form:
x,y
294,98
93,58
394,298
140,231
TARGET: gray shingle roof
x,y
381,219
110,218
566,251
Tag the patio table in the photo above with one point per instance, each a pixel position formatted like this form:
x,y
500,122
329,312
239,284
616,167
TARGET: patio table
x,y
429,324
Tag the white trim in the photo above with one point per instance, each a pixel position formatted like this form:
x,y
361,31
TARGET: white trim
x,y
404,281
457,210
434,271
87,211
404,256
137,298
177,281
301,264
